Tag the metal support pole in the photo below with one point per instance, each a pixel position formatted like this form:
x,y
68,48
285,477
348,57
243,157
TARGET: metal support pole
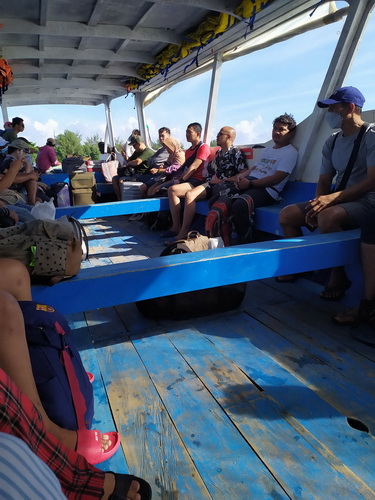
x,y
109,128
212,99
358,15
139,106
4,110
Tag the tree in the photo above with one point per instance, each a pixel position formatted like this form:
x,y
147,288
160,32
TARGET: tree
x,y
68,143
91,148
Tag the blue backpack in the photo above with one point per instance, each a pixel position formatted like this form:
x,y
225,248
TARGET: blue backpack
x,y
62,382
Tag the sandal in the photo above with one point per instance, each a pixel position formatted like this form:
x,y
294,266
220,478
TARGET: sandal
x,y
335,292
122,485
291,278
349,317
89,445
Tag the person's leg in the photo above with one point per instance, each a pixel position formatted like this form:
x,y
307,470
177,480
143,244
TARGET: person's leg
x,y
20,417
175,193
24,215
191,197
31,188
116,186
291,218
333,220
15,286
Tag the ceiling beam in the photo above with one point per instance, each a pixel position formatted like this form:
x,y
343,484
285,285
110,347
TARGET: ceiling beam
x,y
214,5
73,29
83,69
22,52
86,83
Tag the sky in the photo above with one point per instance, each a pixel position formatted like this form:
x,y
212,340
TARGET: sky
x,y
254,89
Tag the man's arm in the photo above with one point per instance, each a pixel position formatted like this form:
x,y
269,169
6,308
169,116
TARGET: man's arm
x,y
190,171
269,181
351,193
10,175
23,177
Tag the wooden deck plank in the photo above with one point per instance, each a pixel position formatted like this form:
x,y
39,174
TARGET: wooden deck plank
x,y
359,370
228,467
324,427
290,458
152,446
103,419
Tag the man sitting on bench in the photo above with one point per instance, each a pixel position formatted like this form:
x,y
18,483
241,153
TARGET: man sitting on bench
x,y
265,181
350,154
227,164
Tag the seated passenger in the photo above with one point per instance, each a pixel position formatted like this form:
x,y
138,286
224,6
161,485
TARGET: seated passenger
x,y
138,161
227,164
265,181
365,312
170,170
127,149
7,126
46,156
10,134
26,178
157,160
19,417
15,286
354,193
192,175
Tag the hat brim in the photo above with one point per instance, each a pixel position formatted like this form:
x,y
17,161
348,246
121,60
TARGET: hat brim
x,y
327,102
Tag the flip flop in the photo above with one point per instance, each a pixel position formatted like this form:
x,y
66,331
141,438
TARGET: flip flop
x,y
338,291
122,485
349,317
89,445
91,377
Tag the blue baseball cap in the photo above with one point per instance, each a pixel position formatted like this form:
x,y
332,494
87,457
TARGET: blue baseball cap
x,y
345,94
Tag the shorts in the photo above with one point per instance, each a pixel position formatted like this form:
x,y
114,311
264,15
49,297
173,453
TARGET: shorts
x,y
356,210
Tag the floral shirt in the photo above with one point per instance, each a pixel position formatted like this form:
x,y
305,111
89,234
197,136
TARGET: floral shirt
x,y
226,165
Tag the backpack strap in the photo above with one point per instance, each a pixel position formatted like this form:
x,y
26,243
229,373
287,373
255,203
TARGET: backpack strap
x,y
352,158
79,402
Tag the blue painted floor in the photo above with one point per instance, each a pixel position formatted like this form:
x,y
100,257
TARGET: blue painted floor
x,y
269,401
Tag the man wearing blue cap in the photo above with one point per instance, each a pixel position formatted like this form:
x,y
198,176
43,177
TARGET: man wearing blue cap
x,y
349,154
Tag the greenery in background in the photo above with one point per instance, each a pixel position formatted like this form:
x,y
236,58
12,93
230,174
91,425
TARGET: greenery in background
x,y
69,143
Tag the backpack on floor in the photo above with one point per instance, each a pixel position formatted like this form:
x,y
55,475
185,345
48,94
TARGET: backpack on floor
x,y
60,193
218,222
248,211
62,382
52,250
198,302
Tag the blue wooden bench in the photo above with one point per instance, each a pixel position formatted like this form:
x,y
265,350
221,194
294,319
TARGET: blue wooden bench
x,y
266,218
110,285
124,283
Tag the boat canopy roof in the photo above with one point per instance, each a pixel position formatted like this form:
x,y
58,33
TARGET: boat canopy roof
x,y
92,51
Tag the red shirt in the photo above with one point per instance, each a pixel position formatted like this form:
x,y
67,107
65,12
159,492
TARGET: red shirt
x,y
46,158
203,153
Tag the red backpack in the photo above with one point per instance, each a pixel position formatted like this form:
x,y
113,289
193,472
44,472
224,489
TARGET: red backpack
x,y
218,222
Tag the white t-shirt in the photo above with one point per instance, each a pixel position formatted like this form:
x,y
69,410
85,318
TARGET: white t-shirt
x,y
273,159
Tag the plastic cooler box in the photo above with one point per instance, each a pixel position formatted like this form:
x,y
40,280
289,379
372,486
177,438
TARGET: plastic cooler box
x,y
130,190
